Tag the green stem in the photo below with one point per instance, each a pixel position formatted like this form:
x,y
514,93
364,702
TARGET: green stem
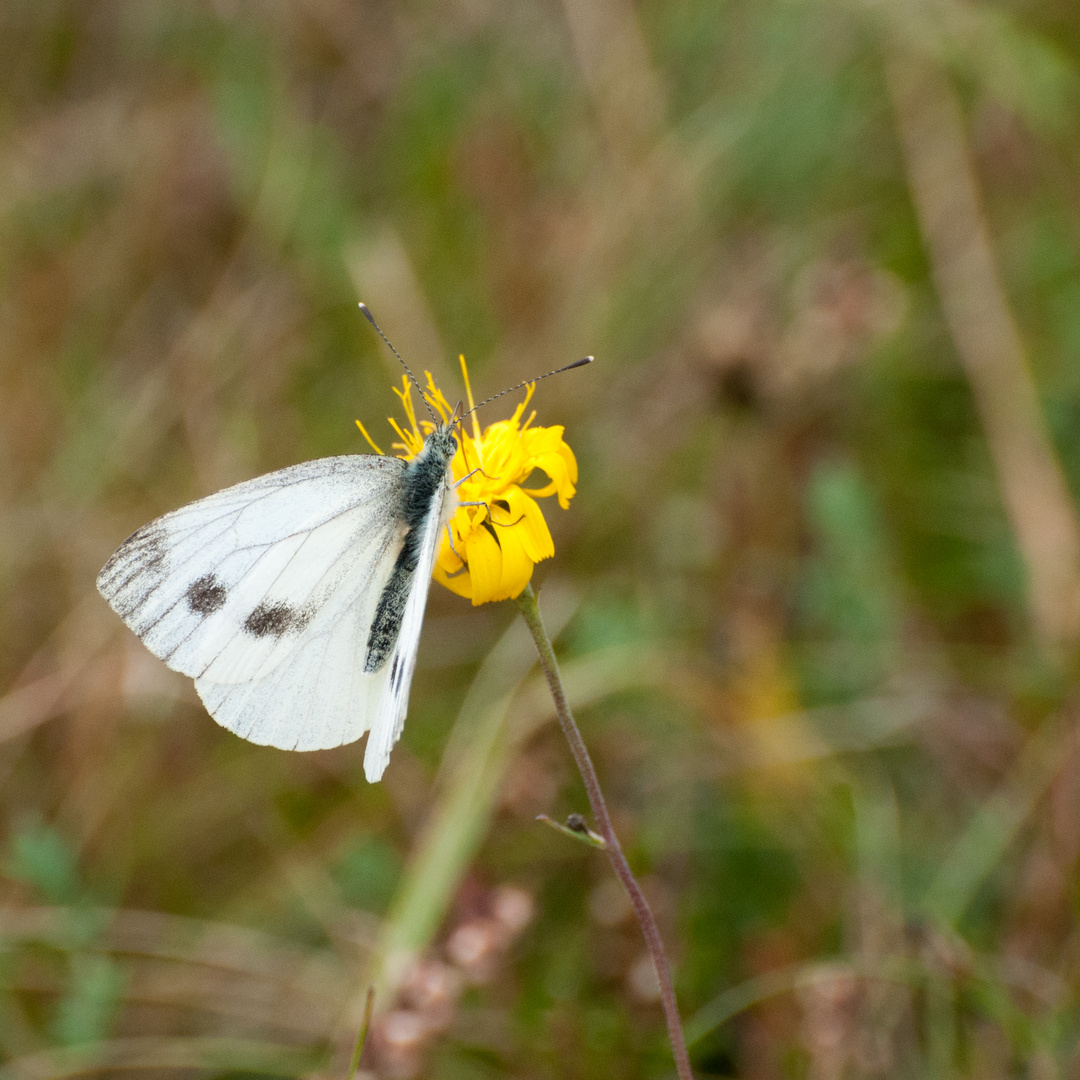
x,y
531,612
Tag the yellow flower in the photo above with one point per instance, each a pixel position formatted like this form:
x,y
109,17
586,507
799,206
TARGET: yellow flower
x,y
499,533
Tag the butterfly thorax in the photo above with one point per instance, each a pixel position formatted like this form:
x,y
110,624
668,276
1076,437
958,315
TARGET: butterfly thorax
x,y
425,480
425,475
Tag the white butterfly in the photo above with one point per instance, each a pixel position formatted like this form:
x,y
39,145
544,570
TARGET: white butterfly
x,y
295,600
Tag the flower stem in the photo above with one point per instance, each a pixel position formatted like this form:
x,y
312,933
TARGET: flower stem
x,y
531,612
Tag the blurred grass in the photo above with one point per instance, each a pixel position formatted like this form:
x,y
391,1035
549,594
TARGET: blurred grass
x,y
806,639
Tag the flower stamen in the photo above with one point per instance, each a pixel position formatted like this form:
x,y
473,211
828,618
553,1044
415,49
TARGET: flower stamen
x,y
371,441
468,393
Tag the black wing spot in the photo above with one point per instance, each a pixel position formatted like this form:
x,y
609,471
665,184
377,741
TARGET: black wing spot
x,y
270,620
206,596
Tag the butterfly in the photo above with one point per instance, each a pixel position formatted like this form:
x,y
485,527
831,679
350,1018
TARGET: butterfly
x,y
295,600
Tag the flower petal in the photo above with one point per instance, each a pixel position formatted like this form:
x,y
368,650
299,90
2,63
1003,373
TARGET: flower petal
x,y
484,557
547,452
517,567
528,528
460,583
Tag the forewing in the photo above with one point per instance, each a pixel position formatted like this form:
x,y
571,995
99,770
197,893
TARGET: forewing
x,y
230,587
393,699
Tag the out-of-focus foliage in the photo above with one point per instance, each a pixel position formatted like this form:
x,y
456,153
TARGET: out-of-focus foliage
x,y
798,591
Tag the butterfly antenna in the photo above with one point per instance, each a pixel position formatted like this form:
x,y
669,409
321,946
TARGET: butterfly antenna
x,y
558,371
419,389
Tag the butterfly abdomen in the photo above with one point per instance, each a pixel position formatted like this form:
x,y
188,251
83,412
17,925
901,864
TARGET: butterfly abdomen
x,y
423,483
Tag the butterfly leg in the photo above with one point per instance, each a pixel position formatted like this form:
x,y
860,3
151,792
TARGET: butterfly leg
x,y
478,469
458,483
464,565
450,537
487,507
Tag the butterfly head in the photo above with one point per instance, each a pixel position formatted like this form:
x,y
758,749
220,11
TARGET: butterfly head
x,y
441,444
435,455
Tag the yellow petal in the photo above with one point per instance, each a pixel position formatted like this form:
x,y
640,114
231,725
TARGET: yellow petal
x,y
484,557
547,452
456,583
503,455
498,565
528,528
517,567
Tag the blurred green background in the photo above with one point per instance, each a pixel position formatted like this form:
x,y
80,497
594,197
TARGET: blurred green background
x,y
818,596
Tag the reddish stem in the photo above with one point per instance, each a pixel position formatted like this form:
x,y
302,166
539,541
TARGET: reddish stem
x,y
531,611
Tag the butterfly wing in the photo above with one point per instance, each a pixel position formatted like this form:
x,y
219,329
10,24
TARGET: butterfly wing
x,y
393,700
318,697
264,593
